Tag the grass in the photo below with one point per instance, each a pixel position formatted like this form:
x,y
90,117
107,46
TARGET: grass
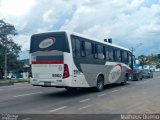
x,y
12,81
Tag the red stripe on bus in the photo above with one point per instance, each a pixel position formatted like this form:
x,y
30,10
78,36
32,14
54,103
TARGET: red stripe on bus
x,y
48,62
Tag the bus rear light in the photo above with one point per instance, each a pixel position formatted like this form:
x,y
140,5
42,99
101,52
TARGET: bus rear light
x,y
66,71
30,72
128,70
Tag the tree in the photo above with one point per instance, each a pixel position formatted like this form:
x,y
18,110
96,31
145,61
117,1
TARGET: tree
x,y
142,59
7,46
150,59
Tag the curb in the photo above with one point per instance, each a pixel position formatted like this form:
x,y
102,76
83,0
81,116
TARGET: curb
x,y
21,83
5,84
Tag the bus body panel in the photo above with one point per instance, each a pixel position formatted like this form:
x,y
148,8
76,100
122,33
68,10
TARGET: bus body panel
x,y
48,51
82,72
91,71
48,72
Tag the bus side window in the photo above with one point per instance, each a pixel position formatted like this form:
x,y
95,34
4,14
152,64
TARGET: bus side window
x,y
83,52
119,57
88,49
74,46
77,48
114,54
125,57
130,59
93,49
121,52
110,54
104,52
107,53
96,51
101,52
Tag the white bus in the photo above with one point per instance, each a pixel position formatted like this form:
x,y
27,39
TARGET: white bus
x,y
69,60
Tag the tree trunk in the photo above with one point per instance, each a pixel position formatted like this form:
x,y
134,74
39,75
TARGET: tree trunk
x,y
5,61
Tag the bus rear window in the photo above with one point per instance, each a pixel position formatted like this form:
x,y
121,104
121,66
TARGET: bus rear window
x,y
49,41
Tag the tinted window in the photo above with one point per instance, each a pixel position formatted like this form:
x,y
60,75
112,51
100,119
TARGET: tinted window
x,y
49,41
115,54
93,48
101,54
125,56
88,48
78,48
107,53
118,55
130,59
83,52
74,46
96,51
111,54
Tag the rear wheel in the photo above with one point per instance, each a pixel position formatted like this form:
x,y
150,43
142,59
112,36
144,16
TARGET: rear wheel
x,y
124,82
100,84
126,78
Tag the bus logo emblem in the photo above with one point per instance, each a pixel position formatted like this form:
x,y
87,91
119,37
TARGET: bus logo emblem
x,y
47,42
115,73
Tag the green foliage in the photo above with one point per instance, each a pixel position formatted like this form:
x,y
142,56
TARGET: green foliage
x,y
151,59
14,64
9,47
6,29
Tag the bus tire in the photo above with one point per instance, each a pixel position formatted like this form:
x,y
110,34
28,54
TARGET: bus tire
x,y
126,79
124,82
100,83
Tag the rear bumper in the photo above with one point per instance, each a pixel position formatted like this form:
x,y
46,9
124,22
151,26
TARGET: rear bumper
x,y
147,76
49,82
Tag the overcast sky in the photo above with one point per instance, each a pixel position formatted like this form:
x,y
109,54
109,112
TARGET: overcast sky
x,y
127,22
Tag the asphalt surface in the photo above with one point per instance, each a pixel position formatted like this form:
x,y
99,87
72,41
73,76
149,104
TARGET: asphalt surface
x,y
135,97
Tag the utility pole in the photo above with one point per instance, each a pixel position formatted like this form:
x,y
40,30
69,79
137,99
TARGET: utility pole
x,y
5,30
136,47
5,61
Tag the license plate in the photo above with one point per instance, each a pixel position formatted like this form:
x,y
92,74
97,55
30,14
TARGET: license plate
x,y
47,83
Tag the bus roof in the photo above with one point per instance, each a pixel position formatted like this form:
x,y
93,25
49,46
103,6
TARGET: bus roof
x,y
90,38
96,40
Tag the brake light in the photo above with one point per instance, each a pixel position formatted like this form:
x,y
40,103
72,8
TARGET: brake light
x,y
30,72
128,70
66,71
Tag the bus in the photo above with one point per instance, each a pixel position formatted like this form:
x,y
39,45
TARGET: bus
x,y
64,59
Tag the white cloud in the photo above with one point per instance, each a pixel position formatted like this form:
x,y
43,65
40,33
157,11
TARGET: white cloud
x,y
128,22
134,4
23,40
16,7
48,16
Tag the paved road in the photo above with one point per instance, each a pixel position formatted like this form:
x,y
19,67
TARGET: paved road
x,y
135,97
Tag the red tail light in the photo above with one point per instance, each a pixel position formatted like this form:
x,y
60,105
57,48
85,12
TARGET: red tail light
x,y
66,71
30,72
128,70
